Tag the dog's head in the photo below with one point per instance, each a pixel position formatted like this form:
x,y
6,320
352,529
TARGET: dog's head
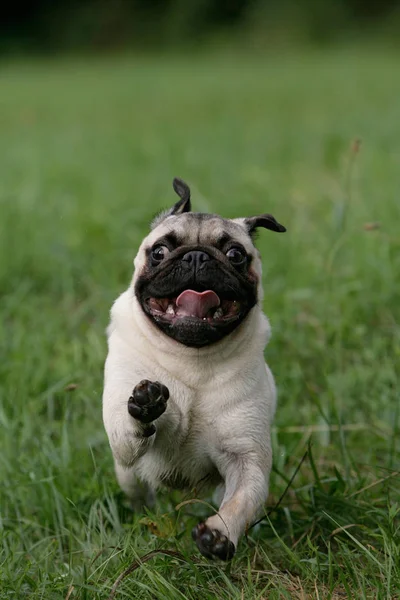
x,y
197,275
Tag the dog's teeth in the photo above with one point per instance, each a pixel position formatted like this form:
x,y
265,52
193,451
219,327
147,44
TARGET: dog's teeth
x,y
170,310
204,318
218,313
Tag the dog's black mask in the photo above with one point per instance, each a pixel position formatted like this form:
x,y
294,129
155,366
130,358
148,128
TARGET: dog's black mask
x,y
195,294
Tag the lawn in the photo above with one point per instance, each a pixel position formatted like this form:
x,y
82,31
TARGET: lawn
x,y
88,152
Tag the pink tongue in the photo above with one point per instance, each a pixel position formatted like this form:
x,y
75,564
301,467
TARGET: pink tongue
x,y
196,304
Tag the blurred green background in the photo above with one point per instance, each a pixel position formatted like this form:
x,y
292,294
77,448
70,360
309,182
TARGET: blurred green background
x,y
104,25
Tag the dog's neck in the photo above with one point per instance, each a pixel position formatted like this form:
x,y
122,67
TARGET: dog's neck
x,y
249,339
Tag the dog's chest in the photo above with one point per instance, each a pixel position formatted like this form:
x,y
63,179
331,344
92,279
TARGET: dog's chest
x,y
184,465
181,457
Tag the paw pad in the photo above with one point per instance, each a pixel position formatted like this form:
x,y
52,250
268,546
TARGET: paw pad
x,y
212,543
148,401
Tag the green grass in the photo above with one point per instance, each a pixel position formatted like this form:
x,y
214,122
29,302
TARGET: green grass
x,y
88,153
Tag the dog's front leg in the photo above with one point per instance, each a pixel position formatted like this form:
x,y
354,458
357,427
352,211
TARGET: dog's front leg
x,y
147,403
246,490
130,417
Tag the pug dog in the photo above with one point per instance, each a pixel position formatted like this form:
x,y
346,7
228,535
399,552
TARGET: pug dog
x,y
187,394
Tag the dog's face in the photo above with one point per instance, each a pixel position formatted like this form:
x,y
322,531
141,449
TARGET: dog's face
x,y
197,276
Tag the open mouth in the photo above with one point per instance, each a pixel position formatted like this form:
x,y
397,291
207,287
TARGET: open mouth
x,y
204,306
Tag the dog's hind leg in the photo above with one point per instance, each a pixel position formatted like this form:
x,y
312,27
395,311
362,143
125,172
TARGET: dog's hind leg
x,y
138,492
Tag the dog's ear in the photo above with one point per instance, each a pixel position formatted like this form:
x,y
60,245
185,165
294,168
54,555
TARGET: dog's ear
x,y
183,191
267,221
183,205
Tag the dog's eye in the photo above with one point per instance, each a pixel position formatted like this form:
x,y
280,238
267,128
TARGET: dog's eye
x,y
236,255
158,254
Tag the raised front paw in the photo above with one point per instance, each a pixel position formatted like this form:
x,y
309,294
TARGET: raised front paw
x,y
212,543
148,401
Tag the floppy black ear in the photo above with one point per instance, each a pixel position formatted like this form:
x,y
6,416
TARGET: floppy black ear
x,y
182,206
183,191
266,221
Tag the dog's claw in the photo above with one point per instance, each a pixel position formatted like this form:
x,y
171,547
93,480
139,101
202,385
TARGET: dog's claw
x,y
148,401
212,543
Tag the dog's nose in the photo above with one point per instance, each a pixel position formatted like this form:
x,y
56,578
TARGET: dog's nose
x,y
196,257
